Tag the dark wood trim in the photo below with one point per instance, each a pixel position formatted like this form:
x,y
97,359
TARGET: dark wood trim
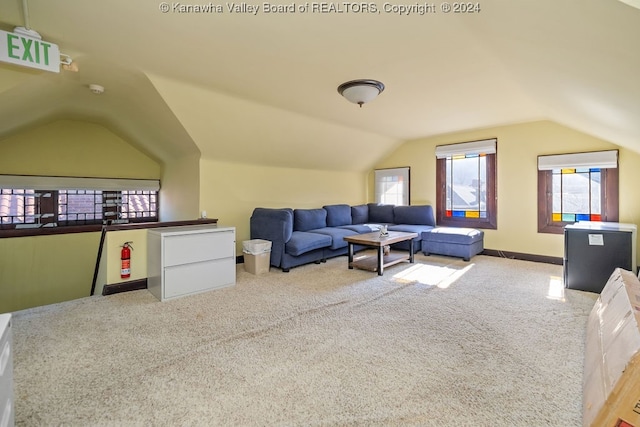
x,y
131,285
523,257
47,231
491,222
545,205
143,225
609,195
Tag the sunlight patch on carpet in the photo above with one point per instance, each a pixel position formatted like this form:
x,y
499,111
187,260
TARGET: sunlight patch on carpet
x,y
432,275
556,289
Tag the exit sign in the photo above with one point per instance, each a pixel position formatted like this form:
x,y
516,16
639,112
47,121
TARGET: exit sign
x,y
19,49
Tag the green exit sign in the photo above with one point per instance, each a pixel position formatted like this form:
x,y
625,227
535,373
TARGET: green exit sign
x,y
19,49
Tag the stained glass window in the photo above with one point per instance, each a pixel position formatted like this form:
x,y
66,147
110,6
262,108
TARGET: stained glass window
x,y
466,186
576,195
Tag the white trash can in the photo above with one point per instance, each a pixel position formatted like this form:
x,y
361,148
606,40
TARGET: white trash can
x,y
257,256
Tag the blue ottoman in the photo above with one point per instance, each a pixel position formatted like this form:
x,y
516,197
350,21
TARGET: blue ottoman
x,y
453,241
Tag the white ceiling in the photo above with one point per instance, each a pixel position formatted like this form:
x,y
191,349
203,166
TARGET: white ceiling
x,y
572,61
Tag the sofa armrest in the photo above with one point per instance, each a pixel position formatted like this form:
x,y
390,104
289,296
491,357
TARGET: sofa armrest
x,y
275,225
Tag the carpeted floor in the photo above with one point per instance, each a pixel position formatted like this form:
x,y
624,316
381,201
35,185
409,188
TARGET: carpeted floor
x,y
492,342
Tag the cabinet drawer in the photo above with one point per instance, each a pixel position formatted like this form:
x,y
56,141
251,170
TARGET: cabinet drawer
x,y
189,248
197,277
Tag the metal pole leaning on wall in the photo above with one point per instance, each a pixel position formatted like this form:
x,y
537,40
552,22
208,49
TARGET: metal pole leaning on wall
x,y
95,271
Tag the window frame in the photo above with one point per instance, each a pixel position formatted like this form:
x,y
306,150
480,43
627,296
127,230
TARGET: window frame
x,y
491,221
48,189
609,194
403,172
50,206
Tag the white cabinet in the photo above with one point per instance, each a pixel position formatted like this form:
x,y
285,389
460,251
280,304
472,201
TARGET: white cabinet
x,y
7,417
190,259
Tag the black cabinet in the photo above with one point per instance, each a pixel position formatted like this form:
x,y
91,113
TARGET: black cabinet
x,y
592,250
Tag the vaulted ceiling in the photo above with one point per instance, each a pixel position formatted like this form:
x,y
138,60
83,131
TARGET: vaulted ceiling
x,y
261,88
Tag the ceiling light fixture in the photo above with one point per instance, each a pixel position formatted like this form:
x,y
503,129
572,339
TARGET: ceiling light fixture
x,y
360,91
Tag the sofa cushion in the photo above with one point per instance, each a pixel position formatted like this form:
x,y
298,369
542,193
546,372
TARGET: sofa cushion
x,y
452,241
454,235
338,215
359,214
411,228
417,215
358,228
308,219
337,235
382,214
302,242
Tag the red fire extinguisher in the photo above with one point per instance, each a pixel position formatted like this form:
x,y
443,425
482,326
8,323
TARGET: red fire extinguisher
x,y
125,257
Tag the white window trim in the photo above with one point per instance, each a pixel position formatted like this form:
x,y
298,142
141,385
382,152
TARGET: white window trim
x,y
383,173
485,146
595,159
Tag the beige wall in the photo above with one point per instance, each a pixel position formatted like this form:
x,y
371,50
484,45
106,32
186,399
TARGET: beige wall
x,y
74,148
46,269
518,148
180,189
230,191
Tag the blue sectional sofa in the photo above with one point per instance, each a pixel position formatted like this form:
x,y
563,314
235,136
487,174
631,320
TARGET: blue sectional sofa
x,y
302,236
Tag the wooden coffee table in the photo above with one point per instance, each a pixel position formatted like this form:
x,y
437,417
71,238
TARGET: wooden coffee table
x,y
374,240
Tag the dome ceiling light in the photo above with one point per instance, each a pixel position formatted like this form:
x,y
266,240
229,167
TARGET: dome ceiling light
x,y
361,91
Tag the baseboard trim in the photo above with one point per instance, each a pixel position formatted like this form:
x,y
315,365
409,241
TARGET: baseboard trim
x,y
135,285
132,285
496,253
524,257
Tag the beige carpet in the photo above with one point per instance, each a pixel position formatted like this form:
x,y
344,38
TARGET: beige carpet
x,y
492,342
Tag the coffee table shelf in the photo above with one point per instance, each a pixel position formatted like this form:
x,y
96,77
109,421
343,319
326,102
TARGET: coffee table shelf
x,y
375,240
370,262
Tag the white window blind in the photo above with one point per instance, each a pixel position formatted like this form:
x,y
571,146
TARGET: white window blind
x,y
596,159
392,186
486,146
73,183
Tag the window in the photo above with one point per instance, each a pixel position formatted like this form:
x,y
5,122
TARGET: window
x,y
34,202
577,187
466,184
392,186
